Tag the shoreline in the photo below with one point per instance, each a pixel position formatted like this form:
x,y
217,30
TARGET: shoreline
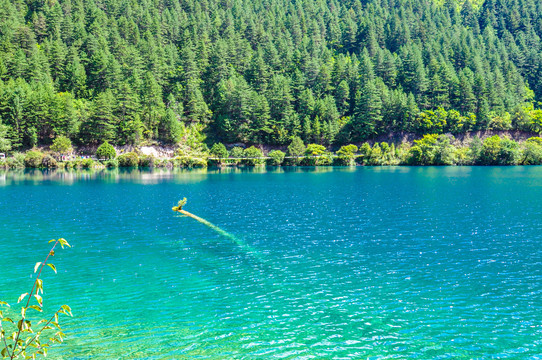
x,y
430,150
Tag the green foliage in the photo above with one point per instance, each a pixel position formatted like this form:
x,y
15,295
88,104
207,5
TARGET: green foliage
x,y
189,162
87,163
16,161
146,161
5,142
315,150
316,155
219,150
129,159
62,145
499,151
112,164
328,73
296,149
365,149
490,152
510,152
180,205
376,158
253,156
33,159
106,151
432,150
277,157
346,154
532,151
48,162
29,337
237,152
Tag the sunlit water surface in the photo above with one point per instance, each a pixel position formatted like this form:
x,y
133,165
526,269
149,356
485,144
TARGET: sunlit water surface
x,y
330,263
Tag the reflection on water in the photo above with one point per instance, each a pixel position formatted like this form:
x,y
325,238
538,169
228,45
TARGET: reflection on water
x,y
147,175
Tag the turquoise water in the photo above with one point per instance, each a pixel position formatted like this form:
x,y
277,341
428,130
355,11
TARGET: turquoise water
x,y
339,263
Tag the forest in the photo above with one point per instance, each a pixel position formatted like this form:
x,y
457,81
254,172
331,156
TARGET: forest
x,y
265,71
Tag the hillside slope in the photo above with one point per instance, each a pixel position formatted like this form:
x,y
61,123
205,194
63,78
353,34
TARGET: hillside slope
x,y
263,71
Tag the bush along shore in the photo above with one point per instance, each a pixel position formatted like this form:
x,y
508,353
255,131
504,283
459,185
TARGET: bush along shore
x,y
431,149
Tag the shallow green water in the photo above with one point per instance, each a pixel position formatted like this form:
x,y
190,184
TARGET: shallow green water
x,y
418,263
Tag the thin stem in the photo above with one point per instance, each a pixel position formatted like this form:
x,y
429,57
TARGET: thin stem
x,y
28,301
39,332
5,342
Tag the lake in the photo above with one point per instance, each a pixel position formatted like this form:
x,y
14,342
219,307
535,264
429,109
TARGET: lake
x,y
324,263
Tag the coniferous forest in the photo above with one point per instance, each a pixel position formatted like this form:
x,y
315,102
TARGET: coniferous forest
x,y
264,71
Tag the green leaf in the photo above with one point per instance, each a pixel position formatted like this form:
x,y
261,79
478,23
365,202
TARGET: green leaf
x,y
4,303
52,267
8,320
37,266
39,299
63,243
22,297
67,308
39,286
35,307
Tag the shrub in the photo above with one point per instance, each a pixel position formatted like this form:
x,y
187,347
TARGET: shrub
x,y
113,163
346,155
462,156
129,159
236,152
106,151
277,157
48,162
509,154
162,163
313,154
62,145
146,161
33,159
296,147
219,150
87,163
497,151
315,150
253,156
491,147
532,151
189,162
16,161
432,150
415,155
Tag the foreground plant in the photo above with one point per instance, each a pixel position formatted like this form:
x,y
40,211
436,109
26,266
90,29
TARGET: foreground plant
x,y
19,338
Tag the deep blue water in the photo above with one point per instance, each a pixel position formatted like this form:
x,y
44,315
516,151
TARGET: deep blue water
x,y
325,263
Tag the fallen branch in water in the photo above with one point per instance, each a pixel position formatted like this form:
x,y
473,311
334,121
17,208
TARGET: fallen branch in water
x,y
247,248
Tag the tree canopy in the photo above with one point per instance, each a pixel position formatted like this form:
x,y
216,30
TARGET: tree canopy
x,y
265,72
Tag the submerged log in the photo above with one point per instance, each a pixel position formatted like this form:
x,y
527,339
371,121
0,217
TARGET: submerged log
x,y
244,246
